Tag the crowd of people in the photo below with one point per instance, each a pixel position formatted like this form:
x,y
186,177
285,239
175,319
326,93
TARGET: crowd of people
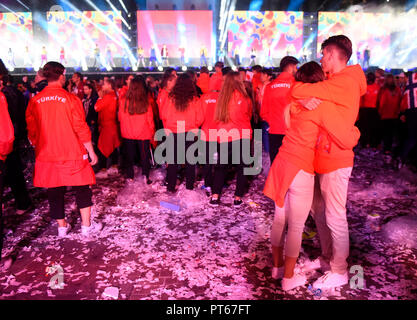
x,y
81,129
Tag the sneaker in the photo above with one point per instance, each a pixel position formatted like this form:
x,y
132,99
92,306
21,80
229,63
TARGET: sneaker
x,y
277,273
297,280
331,280
112,170
237,203
94,227
315,264
63,231
214,202
102,174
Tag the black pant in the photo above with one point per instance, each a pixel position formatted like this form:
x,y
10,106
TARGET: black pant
x,y
105,163
210,162
2,168
83,195
172,169
388,127
275,142
369,125
220,170
15,179
131,148
411,140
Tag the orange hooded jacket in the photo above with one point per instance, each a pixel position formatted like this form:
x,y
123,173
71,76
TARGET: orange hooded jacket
x,y
6,129
345,89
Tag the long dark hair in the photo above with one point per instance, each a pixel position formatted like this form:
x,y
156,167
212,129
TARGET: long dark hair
x,y
183,92
137,96
310,72
167,75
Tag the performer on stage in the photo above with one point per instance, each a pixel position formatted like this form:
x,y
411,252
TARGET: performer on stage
x,y
221,55
109,58
125,59
62,59
44,56
152,57
181,49
268,56
27,61
97,60
10,58
252,57
141,58
203,56
366,57
237,56
164,55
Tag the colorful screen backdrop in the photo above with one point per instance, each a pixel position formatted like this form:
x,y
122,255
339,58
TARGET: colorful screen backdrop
x,y
280,31
370,30
15,33
78,33
191,29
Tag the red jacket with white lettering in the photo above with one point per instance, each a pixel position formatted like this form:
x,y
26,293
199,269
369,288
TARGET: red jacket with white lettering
x,y
57,128
108,139
136,126
6,129
192,117
240,113
275,100
209,102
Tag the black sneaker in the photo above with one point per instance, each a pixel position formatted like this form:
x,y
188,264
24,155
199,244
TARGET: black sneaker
x,y
214,202
237,203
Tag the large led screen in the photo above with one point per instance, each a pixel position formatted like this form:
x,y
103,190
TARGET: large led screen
x,y
269,33
366,30
81,34
189,31
16,36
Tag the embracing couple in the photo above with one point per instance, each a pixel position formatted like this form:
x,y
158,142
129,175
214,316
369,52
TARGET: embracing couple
x,y
314,164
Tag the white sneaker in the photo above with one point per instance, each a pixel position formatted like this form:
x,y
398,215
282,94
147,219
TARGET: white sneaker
x,y
94,227
331,280
277,273
297,280
63,231
102,174
315,264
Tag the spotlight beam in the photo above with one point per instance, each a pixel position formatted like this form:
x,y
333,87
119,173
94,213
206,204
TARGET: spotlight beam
x,y
27,8
123,6
117,13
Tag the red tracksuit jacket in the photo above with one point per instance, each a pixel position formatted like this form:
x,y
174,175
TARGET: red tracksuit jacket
x,y
6,129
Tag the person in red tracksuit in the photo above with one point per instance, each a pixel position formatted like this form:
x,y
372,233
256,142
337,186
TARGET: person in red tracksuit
x,y
108,140
137,125
216,79
275,100
62,140
388,105
181,115
6,146
368,113
233,114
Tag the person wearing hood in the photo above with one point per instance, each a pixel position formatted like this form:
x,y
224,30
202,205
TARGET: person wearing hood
x,y
344,87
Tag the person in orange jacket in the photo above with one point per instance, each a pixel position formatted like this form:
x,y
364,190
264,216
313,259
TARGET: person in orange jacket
x,y
181,115
290,182
109,139
388,106
368,113
204,80
216,79
137,126
6,146
233,114
344,87
276,97
62,140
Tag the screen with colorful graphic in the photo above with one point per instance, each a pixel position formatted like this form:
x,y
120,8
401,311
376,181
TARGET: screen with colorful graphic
x,y
270,33
365,30
79,33
188,31
16,34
